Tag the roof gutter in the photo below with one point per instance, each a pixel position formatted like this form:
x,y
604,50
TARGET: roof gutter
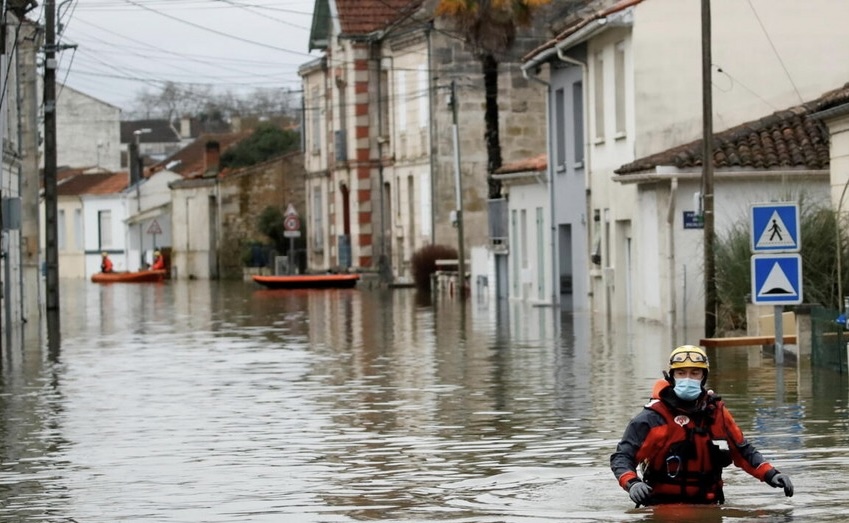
x,y
529,68
833,112
659,176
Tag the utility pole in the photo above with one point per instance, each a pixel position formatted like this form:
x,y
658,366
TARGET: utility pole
x,y
50,204
707,175
458,187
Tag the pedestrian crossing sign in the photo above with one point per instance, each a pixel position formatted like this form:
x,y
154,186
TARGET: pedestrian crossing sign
x,y
777,279
775,227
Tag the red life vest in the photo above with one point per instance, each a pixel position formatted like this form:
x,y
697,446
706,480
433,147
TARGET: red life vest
x,y
683,464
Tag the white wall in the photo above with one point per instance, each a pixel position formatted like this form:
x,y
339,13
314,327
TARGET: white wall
x,y
809,39
72,256
530,247
88,131
117,247
732,201
190,221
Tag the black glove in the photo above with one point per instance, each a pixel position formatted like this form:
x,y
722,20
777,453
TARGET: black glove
x,y
782,480
639,492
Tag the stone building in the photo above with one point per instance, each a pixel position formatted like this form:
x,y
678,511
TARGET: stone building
x,y
380,156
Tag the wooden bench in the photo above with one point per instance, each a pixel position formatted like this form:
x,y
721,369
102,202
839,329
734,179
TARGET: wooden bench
x,y
745,341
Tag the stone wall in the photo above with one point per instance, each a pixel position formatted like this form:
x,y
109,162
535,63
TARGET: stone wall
x,y
522,129
245,193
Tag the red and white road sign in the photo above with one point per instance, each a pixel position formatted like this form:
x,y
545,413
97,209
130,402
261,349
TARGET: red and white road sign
x,y
154,228
292,223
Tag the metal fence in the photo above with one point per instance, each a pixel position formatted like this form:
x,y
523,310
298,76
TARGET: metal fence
x,y
829,338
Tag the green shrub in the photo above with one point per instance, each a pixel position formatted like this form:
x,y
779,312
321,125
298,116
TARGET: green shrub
x,y
266,142
424,263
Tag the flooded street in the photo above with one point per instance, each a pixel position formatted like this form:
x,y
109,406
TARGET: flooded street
x,y
221,402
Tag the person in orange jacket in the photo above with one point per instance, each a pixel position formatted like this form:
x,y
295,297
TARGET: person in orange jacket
x,y
105,263
674,439
158,262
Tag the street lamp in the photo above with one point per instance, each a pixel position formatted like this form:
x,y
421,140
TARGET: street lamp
x,y
135,155
135,179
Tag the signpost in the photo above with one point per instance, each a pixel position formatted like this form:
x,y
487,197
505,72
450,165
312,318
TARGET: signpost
x,y
776,263
291,230
154,229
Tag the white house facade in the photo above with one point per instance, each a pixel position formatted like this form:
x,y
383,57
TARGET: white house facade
x,y
19,234
640,61
88,131
529,268
103,223
149,221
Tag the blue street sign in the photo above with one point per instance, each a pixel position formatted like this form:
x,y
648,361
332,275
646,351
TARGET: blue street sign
x,y
777,279
693,220
775,227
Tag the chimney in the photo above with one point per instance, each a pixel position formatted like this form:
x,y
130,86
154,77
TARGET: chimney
x,y
212,158
185,127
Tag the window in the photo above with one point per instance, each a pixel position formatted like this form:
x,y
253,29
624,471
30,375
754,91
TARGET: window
x,y
423,96
317,221
560,130
315,121
411,210
619,64
401,101
384,103
426,204
523,227
578,131
598,91
78,229
60,230
514,248
540,233
104,233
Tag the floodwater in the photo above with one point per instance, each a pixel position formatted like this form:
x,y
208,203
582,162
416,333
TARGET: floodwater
x,y
222,402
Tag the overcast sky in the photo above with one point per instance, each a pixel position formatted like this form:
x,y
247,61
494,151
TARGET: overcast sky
x,y
125,46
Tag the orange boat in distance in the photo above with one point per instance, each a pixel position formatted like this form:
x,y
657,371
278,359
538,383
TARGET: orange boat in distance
x,y
308,281
129,277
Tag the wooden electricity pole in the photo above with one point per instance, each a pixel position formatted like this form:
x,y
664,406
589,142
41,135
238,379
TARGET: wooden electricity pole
x,y
50,197
707,176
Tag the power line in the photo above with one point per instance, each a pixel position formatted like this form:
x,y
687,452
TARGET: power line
x,y
214,31
775,50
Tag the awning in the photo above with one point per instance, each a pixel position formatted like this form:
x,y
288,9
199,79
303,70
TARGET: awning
x,y
148,214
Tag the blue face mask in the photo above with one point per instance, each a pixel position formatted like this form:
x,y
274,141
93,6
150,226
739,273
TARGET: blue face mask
x,y
687,388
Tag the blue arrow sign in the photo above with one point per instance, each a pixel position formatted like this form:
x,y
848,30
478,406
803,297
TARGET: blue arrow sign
x,y
775,227
777,279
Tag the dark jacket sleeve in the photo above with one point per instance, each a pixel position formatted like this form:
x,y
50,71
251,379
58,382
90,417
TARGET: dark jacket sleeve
x,y
623,462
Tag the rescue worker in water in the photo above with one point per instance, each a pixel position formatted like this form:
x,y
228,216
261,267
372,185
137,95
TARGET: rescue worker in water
x,y
674,439
105,263
158,262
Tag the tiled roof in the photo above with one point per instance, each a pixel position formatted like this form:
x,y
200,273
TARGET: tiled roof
x,y
161,131
580,23
98,183
788,139
360,17
63,173
191,159
532,164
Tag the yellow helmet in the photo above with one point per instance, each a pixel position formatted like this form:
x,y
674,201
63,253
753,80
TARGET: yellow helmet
x,y
104,254
157,253
689,356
